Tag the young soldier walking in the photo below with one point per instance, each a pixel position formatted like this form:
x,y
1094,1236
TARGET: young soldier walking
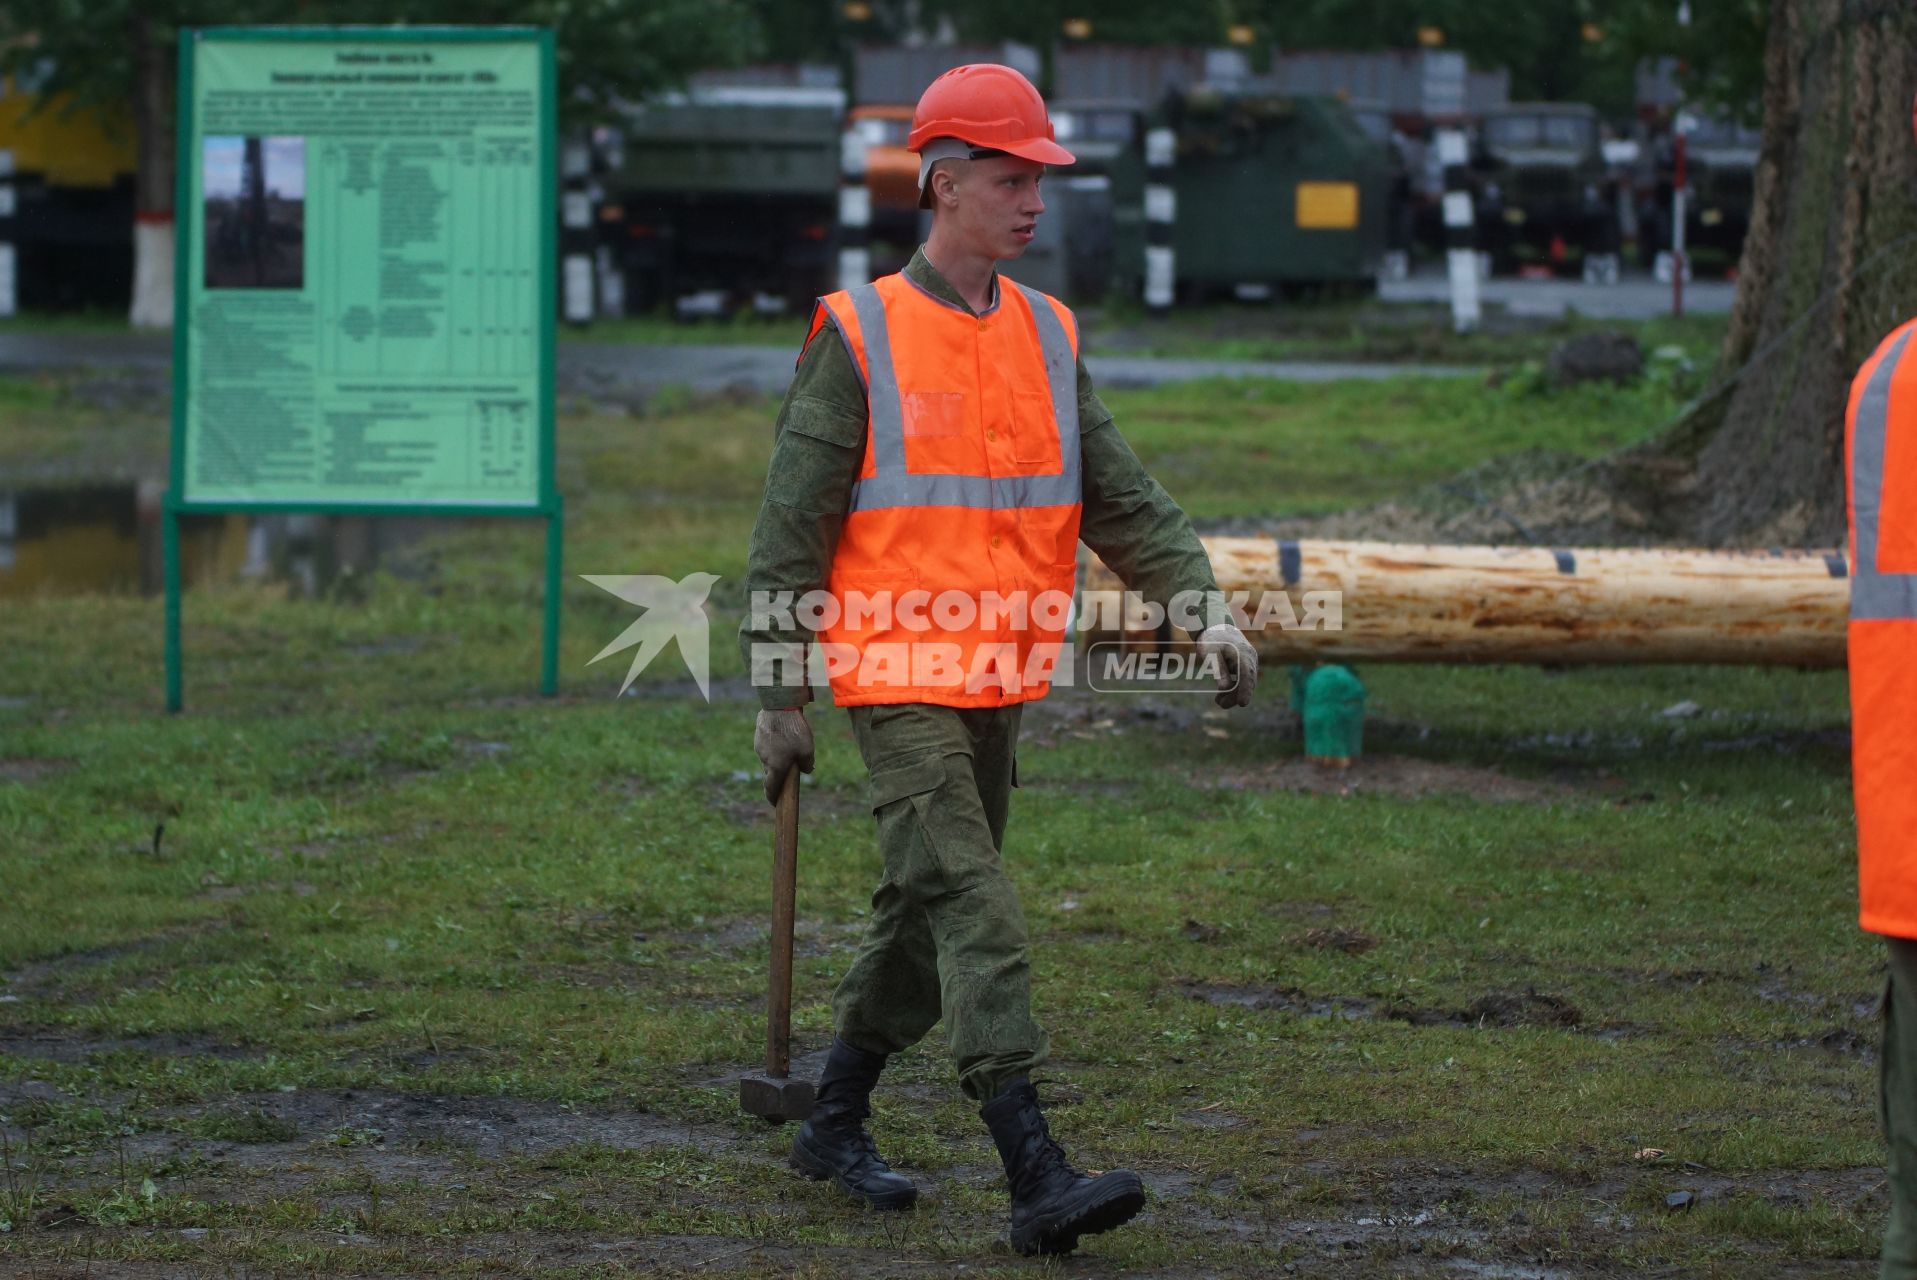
x,y
944,437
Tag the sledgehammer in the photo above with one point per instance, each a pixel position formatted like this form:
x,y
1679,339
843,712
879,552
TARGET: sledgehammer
x,y
772,1093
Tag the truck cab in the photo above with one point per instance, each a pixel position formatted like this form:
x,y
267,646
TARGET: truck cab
x,y
729,193
1543,192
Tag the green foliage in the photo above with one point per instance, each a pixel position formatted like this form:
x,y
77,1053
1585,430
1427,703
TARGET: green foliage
x,y
1119,22
611,49
606,49
1720,52
1544,44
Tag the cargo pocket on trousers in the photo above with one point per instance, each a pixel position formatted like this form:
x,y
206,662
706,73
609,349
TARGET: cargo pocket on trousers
x,y
901,801
920,777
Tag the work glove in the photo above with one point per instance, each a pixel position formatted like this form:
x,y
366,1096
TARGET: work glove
x,y
1237,666
782,739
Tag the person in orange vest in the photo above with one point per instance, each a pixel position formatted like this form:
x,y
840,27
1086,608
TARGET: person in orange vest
x,y
1880,492
940,455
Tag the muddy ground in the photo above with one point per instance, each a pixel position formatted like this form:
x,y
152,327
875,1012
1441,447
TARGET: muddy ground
x,y
327,1147
352,1179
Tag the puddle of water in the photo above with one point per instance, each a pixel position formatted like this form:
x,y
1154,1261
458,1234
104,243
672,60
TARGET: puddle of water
x,y
106,538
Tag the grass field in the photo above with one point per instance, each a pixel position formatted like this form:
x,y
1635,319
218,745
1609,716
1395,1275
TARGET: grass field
x,y
376,963
1356,329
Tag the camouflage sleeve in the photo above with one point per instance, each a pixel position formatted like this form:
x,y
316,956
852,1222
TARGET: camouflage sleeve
x,y
1133,525
817,451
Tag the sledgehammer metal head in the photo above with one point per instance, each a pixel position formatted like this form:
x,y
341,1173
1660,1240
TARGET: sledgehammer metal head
x,y
773,1093
776,1098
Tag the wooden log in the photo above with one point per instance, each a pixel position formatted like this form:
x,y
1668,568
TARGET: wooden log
x,y
1410,603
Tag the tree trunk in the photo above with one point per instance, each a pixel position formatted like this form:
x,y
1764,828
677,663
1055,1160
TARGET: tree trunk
x,y
1830,267
153,181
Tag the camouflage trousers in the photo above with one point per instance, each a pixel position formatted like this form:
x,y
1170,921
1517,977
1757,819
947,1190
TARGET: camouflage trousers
x,y
947,936
1897,1104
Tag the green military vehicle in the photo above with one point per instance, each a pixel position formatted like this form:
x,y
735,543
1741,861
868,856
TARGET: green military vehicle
x,y
727,198
1544,195
1273,192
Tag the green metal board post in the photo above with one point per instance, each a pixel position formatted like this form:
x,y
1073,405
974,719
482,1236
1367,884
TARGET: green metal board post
x,y
170,554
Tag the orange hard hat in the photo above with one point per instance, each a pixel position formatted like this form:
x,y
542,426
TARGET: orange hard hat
x,y
993,108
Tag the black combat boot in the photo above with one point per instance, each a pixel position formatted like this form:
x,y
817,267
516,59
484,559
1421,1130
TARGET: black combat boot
x,y
834,1144
1053,1204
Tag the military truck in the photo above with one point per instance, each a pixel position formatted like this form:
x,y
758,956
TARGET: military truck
x,y
1273,191
1720,166
728,197
1544,194
1402,97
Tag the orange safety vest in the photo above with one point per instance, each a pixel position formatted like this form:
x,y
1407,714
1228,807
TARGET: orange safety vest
x,y
955,565
1880,491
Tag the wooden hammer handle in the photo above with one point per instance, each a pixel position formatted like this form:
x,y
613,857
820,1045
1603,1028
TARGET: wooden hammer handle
x,y
785,888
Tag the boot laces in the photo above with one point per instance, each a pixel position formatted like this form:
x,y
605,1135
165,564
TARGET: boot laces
x,y
1049,1156
849,1126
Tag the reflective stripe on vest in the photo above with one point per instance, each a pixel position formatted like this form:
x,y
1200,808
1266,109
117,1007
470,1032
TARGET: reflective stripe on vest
x,y
1875,596
892,485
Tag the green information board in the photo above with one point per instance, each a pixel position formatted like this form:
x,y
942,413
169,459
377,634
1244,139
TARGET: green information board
x,y
364,277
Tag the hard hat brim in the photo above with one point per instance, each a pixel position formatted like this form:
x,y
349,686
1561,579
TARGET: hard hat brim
x,y
1043,150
